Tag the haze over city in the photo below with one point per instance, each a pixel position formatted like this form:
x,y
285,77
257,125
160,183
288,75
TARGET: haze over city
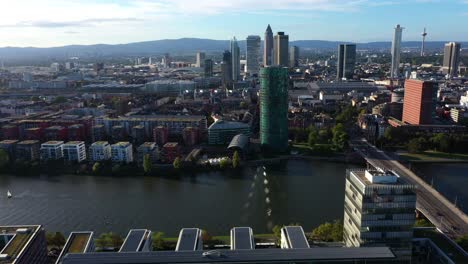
x,y
55,23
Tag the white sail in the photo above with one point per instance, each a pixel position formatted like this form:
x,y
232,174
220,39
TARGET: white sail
x,y
9,194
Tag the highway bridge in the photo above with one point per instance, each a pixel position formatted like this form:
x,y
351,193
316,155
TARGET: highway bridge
x,y
440,211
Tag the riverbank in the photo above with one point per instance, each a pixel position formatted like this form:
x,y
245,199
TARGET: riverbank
x,y
433,157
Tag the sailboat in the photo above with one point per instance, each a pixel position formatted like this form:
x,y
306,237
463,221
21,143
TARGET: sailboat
x,y
9,194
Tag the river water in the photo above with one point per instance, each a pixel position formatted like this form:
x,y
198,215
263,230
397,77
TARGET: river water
x,y
305,192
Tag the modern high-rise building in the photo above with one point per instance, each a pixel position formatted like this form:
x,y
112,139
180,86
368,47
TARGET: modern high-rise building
x,y
208,67
253,55
281,50
74,151
52,150
294,56
268,47
274,108
379,211
419,102
235,57
346,61
122,152
200,59
451,59
396,50
226,67
100,151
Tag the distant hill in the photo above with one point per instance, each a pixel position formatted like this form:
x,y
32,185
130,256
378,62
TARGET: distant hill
x,y
184,46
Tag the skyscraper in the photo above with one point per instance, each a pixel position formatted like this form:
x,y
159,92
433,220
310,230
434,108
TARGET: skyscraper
x,y
451,58
274,108
208,67
268,47
226,67
379,210
419,103
281,50
294,56
200,59
346,61
396,50
253,55
235,57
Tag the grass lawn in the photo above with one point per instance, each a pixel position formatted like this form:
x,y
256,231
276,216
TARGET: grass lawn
x,y
433,156
442,243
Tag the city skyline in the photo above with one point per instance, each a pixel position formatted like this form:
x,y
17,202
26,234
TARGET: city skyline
x,y
54,23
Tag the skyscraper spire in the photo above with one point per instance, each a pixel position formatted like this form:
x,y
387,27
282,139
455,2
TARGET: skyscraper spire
x,y
268,47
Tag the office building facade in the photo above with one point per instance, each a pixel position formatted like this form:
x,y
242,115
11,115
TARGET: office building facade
x,y
294,56
451,59
268,47
419,102
235,57
74,151
253,55
52,150
281,50
100,151
396,51
208,68
274,108
379,211
122,152
200,59
346,61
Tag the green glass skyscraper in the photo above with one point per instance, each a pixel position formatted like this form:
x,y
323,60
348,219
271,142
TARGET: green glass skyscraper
x,y
274,108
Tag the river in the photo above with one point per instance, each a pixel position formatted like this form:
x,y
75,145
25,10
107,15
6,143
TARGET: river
x,y
305,192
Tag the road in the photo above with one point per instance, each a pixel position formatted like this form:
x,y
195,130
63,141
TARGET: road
x,y
441,212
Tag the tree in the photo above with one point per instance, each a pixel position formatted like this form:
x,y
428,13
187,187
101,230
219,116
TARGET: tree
x,y
277,232
55,239
329,232
242,105
423,223
109,240
177,163
59,100
463,241
340,140
96,168
206,237
158,241
442,142
147,163
224,163
4,158
417,145
235,159
312,139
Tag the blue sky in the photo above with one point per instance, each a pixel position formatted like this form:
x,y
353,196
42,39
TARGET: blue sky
x,y
48,23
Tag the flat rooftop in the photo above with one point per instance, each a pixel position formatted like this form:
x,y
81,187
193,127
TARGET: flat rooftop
x,y
123,144
74,142
237,256
20,237
77,242
100,143
8,142
135,240
242,238
188,239
361,175
295,237
28,142
53,142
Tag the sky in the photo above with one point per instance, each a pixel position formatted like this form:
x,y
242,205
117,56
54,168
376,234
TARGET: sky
x,y
47,23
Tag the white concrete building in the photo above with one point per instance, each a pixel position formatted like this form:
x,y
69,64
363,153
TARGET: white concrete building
x,y
99,151
122,152
74,151
52,150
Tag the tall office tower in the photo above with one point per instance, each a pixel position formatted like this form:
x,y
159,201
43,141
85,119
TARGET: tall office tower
x,y
281,50
274,108
346,61
200,59
253,55
451,58
419,103
226,67
208,66
294,56
268,47
235,56
396,50
379,210
166,60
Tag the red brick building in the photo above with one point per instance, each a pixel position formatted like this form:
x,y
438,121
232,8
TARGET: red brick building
x,y
419,102
171,151
160,135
